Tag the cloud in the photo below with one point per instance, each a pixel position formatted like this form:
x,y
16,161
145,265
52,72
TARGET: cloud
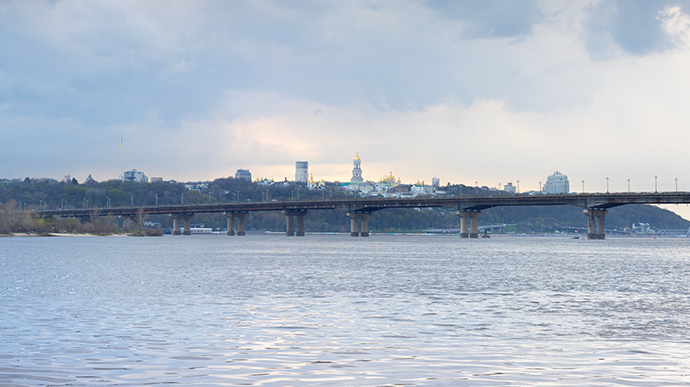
x,y
176,69
677,25
492,19
635,27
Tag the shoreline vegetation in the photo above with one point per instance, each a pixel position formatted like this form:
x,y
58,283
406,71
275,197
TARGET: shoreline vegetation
x,y
14,222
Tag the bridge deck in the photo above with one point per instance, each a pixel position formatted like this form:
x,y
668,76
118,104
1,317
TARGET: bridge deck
x,y
462,203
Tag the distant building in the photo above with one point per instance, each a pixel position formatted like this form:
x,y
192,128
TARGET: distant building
x,y
510,188
265,181
196,185
135,176
357,171
156,179
89,178
301,171
436,182
311,184
243,174
641,228
557,184
421,189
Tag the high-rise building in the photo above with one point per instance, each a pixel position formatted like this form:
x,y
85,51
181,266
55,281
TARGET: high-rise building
x,y
135,175
243,174
436,182
301,171
357,171
557,184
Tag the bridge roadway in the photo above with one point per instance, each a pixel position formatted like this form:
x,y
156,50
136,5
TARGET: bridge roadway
x,y
359,210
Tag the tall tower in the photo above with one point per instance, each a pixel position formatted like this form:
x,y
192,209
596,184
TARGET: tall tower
x,y
357,171
301,171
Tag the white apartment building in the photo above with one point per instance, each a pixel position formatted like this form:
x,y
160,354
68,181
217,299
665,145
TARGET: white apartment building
x,y
557,184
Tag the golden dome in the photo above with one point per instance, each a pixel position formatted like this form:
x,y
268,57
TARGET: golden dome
x,y
357,156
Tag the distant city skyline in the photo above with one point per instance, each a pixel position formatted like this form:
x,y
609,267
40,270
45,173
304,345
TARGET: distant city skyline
x,y
491,92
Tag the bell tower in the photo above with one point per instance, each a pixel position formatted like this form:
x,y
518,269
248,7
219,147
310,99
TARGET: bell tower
x,y
357,171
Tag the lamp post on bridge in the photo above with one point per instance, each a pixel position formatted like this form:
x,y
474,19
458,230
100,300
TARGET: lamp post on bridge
x,y
607,185
182,198
476,188
676,185
628,185
583,186
132,202
518,186
156,199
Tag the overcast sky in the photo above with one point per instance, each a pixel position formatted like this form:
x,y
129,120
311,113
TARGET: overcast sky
x,y
485,91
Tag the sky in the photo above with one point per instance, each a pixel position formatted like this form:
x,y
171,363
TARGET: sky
x,y
467,91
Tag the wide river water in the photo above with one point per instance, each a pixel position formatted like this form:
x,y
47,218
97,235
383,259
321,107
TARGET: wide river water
x,y
331,310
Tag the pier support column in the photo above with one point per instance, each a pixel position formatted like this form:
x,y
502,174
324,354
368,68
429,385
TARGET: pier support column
x,y
300,223
599,219
231,223
463,224
474,225
290,226
241,216
355,217
591,226
595,223
290,222
354,225
187,224
365,225
468,220
176,225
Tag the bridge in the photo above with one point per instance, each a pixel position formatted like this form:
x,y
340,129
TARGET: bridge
x,y
595,206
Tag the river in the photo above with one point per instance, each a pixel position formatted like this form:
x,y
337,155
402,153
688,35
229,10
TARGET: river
x,y
331,310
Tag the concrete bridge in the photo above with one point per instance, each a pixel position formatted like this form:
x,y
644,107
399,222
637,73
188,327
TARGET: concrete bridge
x,y
359,211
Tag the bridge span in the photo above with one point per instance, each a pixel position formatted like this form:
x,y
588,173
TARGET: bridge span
x,y
359,211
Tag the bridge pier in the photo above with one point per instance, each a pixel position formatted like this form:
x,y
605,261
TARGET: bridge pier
x,y
355,218
187,219
231,223
595,223
469,218
241,216
176,226
290,222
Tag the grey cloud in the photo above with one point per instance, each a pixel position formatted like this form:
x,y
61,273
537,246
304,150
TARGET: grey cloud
x,y
632,25
501,18
121,63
